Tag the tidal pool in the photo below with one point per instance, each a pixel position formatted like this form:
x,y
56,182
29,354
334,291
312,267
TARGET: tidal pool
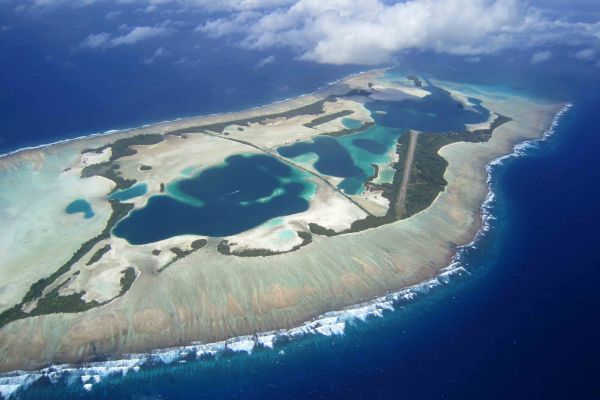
x,y
80,206
242,193
351,123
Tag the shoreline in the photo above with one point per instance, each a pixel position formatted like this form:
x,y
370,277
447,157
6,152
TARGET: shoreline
x,y
423,270
177,120
330,323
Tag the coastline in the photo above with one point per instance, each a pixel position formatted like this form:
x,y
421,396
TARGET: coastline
x,y
474,226
331,323
202,118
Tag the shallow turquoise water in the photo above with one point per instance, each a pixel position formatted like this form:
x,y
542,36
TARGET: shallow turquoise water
x,y
352,156
80,206
242,193
136,190
351,123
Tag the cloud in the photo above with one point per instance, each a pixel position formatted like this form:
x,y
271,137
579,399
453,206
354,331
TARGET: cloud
x,y
375,31
36,6
138,34
541,56
225,5
113,14
96,40
135,35
265,61
160,52
586,54
153,5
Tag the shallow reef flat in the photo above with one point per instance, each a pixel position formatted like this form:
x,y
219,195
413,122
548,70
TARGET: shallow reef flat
x,y
76,289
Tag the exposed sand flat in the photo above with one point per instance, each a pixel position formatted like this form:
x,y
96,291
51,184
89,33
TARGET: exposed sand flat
x,y
208,296
33,219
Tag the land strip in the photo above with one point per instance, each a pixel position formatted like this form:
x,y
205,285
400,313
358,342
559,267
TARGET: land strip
x,y
408,167
289,162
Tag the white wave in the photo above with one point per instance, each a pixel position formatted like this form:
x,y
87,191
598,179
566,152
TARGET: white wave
x,y
328,324
243,343
10,383
266,340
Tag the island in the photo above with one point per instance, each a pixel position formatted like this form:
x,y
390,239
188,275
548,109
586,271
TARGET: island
x,y
204,229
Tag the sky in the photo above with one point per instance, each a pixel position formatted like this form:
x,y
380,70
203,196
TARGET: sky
x,y
337,32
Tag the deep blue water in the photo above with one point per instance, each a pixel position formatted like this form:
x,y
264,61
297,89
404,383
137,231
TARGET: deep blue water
x,y
227,199
333,158
437,113
53,89
522,325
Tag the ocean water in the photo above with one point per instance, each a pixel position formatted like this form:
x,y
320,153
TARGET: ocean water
x,y
519,323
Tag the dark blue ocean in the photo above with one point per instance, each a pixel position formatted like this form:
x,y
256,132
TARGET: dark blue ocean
x,y
521,325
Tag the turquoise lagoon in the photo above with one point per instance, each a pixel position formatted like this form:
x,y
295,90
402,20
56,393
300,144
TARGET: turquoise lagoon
x,y
353,157
136,190
80,206
242,193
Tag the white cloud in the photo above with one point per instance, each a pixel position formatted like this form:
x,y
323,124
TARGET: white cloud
x,y
113,14
96,40
138,34
151,5
227,5
160,52
135,35
41,5
541,56
586,54
375,31
265,61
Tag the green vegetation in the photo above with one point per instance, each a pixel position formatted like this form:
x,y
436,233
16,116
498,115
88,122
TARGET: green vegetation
x,y
225,248
179,253
36,290
359,92
144,167
328,118
119,148
127,280
315,108
122,147
108,171
349,131
426,179
415,80
98,254
54,303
